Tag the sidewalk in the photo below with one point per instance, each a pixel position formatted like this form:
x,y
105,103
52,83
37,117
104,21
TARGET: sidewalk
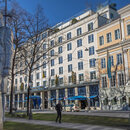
x,y
75,126
118,114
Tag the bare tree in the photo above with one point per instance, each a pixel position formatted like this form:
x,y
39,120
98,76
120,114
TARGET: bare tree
x,y
15,22
32,51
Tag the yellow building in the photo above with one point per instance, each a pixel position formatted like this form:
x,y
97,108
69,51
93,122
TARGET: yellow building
x,y
113,40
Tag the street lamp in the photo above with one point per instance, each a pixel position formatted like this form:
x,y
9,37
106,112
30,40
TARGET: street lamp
x,y
30,101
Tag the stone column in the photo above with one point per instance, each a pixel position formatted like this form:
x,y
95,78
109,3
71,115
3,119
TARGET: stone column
x,y
57,96
1,113
76,94
18,102
66,96
88,95
42,100
22,101
49,101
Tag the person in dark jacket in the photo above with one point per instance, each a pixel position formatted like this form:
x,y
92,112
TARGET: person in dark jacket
x,y
59,110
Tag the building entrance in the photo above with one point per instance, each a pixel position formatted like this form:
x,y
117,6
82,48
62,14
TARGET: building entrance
x,y
83,104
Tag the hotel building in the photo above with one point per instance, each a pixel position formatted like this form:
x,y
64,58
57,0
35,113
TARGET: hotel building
x,y
72,68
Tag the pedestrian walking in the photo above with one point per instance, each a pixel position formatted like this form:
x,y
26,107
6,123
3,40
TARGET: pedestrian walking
x,y
59,110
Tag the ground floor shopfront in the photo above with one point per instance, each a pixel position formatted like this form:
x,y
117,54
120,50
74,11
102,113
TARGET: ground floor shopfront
x,y
85,96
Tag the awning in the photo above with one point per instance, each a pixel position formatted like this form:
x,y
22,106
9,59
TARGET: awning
x,y
79,97
71,98
93,96
52,99
60,98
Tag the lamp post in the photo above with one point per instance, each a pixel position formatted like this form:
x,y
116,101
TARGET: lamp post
x,y
30,101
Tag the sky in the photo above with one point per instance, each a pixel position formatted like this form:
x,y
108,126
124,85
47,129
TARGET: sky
x,y
59,10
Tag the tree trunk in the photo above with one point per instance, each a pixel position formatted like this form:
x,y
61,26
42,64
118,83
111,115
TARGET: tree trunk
x,y
28,101
12,82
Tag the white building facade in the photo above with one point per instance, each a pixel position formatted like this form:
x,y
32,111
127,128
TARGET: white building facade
x,y
73,52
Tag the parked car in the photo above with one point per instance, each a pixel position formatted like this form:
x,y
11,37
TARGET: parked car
x,y
68,107
72,108
75,108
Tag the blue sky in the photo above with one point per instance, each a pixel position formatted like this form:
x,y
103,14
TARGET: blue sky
x,y
59,10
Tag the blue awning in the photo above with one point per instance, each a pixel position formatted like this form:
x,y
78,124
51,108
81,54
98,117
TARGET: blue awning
x,y
52,99
78,98
71,98
60,98
93,96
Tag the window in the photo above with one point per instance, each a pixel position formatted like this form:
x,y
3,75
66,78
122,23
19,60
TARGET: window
x,y
104,15
44,35
21,80
91,50
79,31
60,60
37,66
71,92
120,79
31,77
44,64
90,26
112,61
52,82
60,70
128,29
44,72
119,58
60,80
82,91
93,75
113,81
117,34
25,79
109,39
16,81
68,35
69,57
44,55
60,39
69,46
81,77
90,38
101,40
52,43
37,76
38,84
92,62
70,79
111,15
70,68
60,50
44,46
52,52
79,42
103,63
52,72
44,83
80,65
21,64
104,82
52,62
80,54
